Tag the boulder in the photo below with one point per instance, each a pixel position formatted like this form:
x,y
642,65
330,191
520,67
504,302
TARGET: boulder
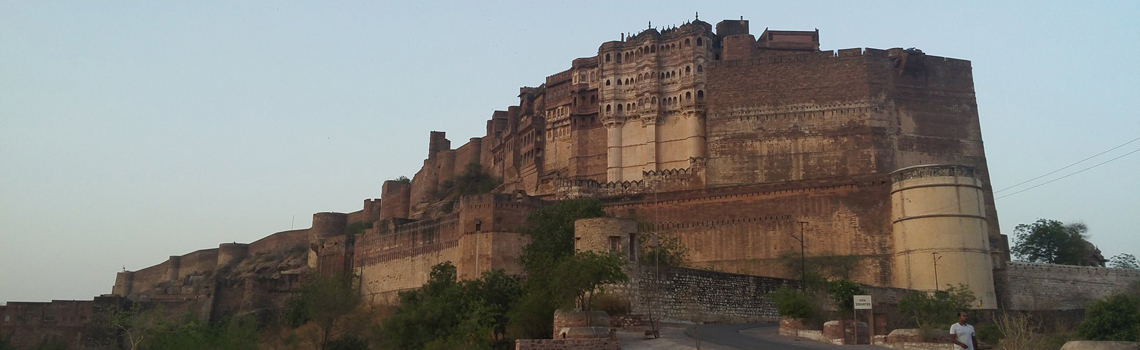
x,y
1101,345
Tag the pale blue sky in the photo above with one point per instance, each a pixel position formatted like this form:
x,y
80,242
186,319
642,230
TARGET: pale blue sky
x,y
132,131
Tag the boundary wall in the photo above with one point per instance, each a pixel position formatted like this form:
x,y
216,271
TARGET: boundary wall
x,y
1030,286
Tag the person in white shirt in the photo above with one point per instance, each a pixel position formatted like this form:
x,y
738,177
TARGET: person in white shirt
x,y
962,334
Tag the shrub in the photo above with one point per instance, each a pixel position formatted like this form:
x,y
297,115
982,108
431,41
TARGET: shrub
x,y
793,303
989,333
1116,317
1018,332
612,304
843,294
938,309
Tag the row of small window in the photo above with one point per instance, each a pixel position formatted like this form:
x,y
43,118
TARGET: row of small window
x,y
661,75
669,101
653,49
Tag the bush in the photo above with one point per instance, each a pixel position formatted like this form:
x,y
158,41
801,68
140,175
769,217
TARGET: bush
x,y
938,309
793,303
989,333
1116,317
843,294
612,304
1018,332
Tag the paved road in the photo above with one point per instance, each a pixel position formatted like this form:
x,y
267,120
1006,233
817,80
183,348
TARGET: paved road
x,y
758,336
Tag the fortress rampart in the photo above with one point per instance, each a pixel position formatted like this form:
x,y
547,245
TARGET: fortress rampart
x,y
733,143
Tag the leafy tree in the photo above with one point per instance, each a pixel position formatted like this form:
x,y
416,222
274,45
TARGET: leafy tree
x,y
133,324
551,230
793,303
348,342
937,309
1052,242
583,274
325,300
1124,261
403,179
1116,318
191,334
843,294
450,314
669,250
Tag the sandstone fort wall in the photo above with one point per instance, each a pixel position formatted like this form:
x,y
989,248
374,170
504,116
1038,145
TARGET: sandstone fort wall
x,y
748,230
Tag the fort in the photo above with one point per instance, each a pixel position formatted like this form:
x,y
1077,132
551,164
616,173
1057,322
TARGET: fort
x,y
735,143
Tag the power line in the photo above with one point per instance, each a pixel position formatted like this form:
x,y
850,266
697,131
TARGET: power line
x,y
1066,167
1078,172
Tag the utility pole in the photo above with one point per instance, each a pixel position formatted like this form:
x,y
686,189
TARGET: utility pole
x,y
803,257
936,257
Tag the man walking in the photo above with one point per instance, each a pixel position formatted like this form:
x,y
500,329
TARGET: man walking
x,y
962,334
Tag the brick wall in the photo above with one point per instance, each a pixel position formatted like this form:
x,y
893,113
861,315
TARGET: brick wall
x,y
1028,286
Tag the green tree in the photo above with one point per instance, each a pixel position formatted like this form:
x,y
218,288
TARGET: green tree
x,y
191,334
843,294
403,179
551,232
1124,261
583,274
326,300
450,314
1052,242
133,324
668,250
937,309
1115,318
794,303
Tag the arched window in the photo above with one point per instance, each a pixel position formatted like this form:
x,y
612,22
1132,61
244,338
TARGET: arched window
x,y
672,46
618,58
594,98
635,105
686,70
607,108
627,107
672,74
662,75
688,95
700,68
607,57
619,82
686,42
698,41
654,99
619,108
700,95
607,82
627,56
653,49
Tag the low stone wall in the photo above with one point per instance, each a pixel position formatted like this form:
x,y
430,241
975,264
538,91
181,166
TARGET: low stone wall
x,y
568,344
1029,286
701,296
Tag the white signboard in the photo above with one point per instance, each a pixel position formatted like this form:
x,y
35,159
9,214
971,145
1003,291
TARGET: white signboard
x,y
862,302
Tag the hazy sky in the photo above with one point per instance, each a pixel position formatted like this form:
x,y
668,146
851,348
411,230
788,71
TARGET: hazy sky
x,y
132,131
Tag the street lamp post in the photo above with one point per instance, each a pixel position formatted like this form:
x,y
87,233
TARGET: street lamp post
x,y
936,257
803,257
